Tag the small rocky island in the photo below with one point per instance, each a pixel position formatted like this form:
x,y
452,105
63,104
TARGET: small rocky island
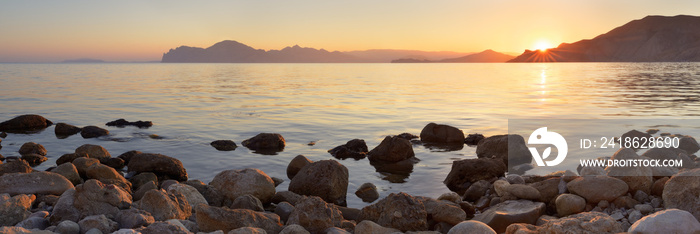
x,y
89,191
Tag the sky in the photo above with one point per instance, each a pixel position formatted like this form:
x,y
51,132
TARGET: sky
x,y
52,31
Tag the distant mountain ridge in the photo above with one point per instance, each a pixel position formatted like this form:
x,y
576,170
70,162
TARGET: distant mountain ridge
x,y
651,39
486,56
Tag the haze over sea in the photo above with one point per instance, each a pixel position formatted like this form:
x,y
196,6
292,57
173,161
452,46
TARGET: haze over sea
x,y
194,104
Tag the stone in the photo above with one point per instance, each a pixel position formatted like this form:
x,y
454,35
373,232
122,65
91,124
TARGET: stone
x,y
367,226
398,210
476,190
32,148
296,164
277,181
682,192
93,132
90,198
224,145
667,221
188,224
392,149
99,222
637,178
64,129
549,189
625,201
500,187
473,139
128,155
644,208
689,144
69,171
315,215
190,194
25,123
515,179
134,218
286,196
211,218
634,215
471,226
327,179
83,163
68,158
21,230
498,147
512,211
174,227
568,204
247,230
122,123
284,209
94,151
213,197
14,209
588,188
17,166
247,201
445,212
143,178
234,183
467,171
34,183
439,133
592,171
587,222
164,206
34,159
162,165
94,231
640,196
107,175
67,227
367,192
524,192
451,197
116,163
294,229
265,143
138,194
355,148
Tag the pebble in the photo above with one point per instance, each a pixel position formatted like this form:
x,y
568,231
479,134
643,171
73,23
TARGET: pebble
x,y
644,208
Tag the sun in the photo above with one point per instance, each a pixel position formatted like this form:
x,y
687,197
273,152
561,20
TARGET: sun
x,y
543,45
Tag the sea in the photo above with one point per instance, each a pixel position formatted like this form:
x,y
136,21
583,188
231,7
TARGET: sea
x,y
192,105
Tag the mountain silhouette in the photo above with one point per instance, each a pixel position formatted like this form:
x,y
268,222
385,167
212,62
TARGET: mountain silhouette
x,y
486,56
651,39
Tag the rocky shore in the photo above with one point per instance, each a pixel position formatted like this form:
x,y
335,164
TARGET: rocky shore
x,y
89,191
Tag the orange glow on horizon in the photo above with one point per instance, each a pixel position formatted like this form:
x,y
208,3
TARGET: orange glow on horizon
x,y
542,45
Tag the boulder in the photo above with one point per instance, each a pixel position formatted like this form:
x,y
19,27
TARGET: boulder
x,y
21,230
34,159
667,221
190,194
213,196
234,183
128,155
588,187
471,226
506,213
326,179
68,227
266,143
296,164
93,151
568,204
14,209
657,188
34,183
164,206
588,222
247,201
549,188
294,229
473,139
32,148
138,194
286,196
391,150
90,198
170,227
83,163
247,230
524,192
689,144
443,211
467,171
25,123
17,166
64,129
107,175
477,190
284,209
439,133
211,218
162,165
367,192
367,226
224,145
116,163
398,210
498,147
99,222
638,178
123,123
634,133
682,192
356,148
134,218
143,178
68,158
93,131
315,215
69,171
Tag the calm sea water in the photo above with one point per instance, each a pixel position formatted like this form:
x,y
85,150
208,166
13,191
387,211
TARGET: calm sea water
x,y
194,104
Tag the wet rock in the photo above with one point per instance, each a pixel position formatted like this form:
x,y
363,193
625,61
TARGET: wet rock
x,y
174,227
499,145
315,215
471,226
211,218
34,183
294,229
637,178
588,222
667,221
568,204
682,192
356,148
164,206
107,175
397,172
296,164
99,222
286,196
34,159
473,139
93,131
588,188
69,171
64,129
32,148
190,194
224,145
391,150
122,123
234,183
265,143
213,197
128,155
367,192
513,211
398,210
524,192
14,209
284,209
476,190
93,151
17,166
367,226
326,179
90,198
467,171
247,201
134,218
68,227
25,123
689,144
162,165
439,133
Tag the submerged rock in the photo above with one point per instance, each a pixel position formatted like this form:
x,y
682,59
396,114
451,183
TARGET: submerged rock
x,y
123,123
32,148
93,131
473,139
265,143
500,147
391,149
439,133
224,145
467,171
326,179
367,192
64,129
25,123
355,148
34,159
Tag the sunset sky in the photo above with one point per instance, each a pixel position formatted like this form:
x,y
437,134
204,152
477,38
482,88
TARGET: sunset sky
x,y
50,31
